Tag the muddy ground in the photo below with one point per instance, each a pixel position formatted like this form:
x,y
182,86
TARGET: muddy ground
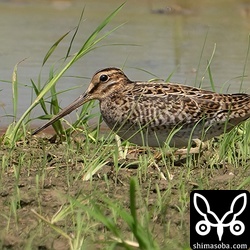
x,y
26,184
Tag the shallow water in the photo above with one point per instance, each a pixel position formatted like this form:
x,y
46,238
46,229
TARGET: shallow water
x,y
177,38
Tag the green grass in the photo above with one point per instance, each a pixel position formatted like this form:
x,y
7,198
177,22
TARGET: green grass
x,y
12,135
65,192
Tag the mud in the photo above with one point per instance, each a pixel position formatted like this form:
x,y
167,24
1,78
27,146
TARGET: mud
x,y
37,176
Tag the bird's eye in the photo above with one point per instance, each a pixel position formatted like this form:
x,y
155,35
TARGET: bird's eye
x,y
103,78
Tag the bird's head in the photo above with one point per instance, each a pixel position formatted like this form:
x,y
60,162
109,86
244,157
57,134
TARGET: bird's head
x,y
103,83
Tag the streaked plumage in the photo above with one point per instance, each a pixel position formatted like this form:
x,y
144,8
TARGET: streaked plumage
x,y
155,109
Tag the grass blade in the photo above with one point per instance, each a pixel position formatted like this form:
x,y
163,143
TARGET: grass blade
x,y
211,77
53,47
199,63
245,64
207,68
14,92
42,102
74,35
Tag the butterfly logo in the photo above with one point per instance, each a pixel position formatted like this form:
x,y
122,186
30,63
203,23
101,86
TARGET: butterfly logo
x,y
203,227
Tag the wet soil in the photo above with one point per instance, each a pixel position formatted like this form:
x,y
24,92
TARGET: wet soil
x,y
38,176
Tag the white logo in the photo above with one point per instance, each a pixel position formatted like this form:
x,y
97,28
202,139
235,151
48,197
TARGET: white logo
x,y
203,227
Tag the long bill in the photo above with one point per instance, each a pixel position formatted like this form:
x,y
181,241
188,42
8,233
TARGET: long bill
x,y
74,105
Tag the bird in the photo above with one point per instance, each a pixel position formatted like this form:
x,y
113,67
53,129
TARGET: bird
x,y
151,113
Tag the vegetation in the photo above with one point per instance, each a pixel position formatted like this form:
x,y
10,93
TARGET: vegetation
x,y
83,192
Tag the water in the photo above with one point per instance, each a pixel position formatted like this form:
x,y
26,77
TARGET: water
x,y
166,43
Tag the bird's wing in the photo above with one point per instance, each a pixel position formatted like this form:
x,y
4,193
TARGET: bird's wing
x,y
187,104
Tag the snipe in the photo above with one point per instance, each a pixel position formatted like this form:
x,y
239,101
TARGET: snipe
x,y
146,113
